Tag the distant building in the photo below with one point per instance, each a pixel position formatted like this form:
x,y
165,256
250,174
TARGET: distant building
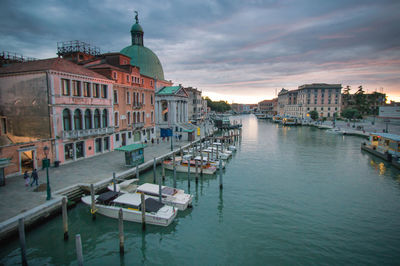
x,y
267,107
320,97
389,112
240,108
195,105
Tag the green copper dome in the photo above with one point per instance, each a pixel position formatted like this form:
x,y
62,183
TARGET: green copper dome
x,y
146,60
136,27
141,56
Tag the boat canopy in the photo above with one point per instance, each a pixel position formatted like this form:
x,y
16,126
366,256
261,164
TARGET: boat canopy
x,y
106,197
153,205
129,199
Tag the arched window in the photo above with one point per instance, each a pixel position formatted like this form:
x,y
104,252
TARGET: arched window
x,y
78,119
134,117
116,119
105,118
67,119
128,116
96,118
138,117
88,119
143,117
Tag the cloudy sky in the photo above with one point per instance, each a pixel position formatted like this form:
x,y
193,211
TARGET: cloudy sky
x,y
239,51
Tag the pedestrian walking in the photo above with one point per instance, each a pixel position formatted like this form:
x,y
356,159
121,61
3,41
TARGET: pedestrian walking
x,y
34,177
27,179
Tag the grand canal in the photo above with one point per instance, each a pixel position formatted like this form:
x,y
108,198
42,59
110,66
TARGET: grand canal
x,y
291,195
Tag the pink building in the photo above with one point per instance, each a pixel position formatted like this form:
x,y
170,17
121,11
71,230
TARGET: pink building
x,y
53,103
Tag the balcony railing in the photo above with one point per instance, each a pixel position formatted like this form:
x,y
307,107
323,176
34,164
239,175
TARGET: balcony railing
x,y
87,132
137,106
138,125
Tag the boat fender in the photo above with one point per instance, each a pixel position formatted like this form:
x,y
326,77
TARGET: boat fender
x,y
93,211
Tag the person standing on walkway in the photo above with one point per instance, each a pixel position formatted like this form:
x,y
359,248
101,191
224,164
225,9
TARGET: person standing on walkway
x,y
26,177
35,177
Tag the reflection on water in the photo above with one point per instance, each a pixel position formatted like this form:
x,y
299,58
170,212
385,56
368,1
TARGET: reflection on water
x,y
293,189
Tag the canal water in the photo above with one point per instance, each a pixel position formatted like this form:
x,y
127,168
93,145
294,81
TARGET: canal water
x,y
291,195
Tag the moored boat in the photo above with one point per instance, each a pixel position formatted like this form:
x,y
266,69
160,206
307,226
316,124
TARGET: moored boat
x,y
181,165
110,202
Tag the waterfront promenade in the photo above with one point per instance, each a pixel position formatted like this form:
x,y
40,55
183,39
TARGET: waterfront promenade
x,y
17,199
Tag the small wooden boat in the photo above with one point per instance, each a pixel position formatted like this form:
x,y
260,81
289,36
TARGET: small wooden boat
x,y
110,202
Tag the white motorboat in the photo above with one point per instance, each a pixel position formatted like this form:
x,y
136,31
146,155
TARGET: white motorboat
x,y
126,186
232,148
212,162
181,165
110,202
170,196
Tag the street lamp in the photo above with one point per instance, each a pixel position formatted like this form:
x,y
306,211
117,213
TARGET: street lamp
x,y
46,163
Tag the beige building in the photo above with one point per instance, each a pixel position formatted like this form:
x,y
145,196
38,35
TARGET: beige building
x,y
195,104
320,97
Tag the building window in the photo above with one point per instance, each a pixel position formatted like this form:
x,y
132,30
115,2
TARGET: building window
x,y
65,87
142,98
142,81
96,90
3,126
86,89
98,145
127,78
116,119
151,99
78,119
129,135
128,115
143,117
67,119
97,118
76,88
80,149
88,119
69,151
105,118
322,108
152,116
128,97
133,79
151,83
104,89
115,97
107,143
116,137
115,75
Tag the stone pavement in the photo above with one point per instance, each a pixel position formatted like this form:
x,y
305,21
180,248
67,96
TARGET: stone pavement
x,y
16,198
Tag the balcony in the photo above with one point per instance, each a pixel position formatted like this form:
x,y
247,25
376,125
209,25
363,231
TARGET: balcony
x,y
137,106
138,125
70,134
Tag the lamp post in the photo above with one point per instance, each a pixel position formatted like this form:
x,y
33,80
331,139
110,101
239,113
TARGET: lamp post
x,y
46,163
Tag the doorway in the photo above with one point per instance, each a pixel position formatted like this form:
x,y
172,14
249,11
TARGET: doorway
x,y
27,159
123,135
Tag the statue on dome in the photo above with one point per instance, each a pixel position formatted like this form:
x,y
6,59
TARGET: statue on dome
x,y
136,17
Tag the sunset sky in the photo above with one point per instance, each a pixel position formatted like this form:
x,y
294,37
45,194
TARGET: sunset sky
x,y
239,51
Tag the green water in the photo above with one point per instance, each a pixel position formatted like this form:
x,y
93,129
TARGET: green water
x,y
291,196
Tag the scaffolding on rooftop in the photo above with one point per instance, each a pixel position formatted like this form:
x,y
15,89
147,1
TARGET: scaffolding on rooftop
x,y
10,58
68,47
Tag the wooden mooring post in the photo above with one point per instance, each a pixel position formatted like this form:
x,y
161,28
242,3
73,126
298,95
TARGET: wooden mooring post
x,y
159,189
143,210
22,241
78,245
65,217
162,170
137,171
92,206
220,174
173,164
114,183
188,173
121,232
154,170
197,171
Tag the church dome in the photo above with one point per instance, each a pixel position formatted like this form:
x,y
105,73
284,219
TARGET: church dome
x,y
146,60
141,56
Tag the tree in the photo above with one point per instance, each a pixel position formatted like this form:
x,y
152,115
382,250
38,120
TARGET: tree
x,y
313,115
350,113
346,95
360,101
220,106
